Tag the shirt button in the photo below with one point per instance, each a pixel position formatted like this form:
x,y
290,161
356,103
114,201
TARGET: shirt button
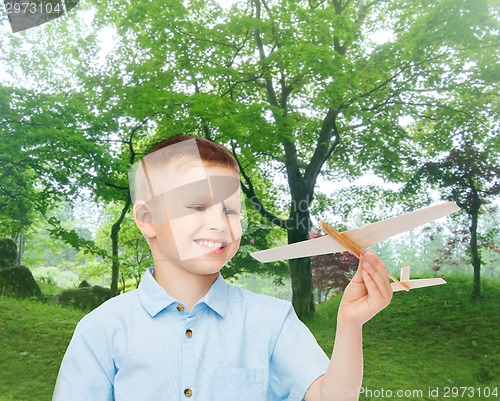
x,y
180,308
188,392
189,333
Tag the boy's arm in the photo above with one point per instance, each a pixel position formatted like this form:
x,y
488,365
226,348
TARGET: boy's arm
x,y
368,293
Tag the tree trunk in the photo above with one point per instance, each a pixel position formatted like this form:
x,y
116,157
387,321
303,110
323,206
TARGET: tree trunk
x,y
476,257
300,269
302,299
18,238
115,232
326,294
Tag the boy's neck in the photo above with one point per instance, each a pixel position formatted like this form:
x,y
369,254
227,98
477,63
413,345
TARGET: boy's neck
x,y
184,286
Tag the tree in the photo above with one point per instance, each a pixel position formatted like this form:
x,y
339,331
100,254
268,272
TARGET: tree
x,y
51,152
53,148
16,181
293,87
470,177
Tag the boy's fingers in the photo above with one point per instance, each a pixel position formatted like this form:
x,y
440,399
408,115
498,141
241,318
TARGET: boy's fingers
x,y
371,282
383,280
371,285
386,287
358,276
379,276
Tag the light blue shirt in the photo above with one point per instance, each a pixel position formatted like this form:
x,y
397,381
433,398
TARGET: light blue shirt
x,y
234,345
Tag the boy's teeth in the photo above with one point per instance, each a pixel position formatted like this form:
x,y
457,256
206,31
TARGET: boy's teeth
x,y
210,244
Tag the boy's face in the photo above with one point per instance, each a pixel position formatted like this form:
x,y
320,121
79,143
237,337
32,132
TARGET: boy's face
x,y
197,221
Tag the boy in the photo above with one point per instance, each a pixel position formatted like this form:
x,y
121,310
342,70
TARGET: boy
x,y
184,334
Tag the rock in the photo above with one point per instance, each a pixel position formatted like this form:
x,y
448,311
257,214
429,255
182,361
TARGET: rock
x,y
17,281
86,298
84,284
8,252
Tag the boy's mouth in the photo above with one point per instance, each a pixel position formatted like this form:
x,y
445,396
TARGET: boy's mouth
x,y
211,245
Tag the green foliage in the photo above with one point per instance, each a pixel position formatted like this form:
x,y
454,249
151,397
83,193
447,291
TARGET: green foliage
x,y
302,87
468,175
357,204
258,234
55,277
47,156
55,261
135,254
262,284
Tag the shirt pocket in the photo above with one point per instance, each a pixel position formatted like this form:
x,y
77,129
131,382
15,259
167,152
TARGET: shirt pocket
x,y
239,384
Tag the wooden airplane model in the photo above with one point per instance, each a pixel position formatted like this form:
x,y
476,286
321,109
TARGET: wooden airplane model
x,y
357,239
404,280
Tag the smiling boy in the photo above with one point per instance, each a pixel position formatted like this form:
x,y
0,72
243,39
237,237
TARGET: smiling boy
x,y
185,334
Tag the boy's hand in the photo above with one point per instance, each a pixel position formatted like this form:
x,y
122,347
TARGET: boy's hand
x,y
368,292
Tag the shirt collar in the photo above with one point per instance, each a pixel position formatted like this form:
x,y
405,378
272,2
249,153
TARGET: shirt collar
x,y
154,298
217,297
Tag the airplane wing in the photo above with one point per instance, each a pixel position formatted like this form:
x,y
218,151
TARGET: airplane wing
x,y
363,236
418,283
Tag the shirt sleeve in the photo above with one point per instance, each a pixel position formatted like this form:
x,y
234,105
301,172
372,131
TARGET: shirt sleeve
x,y
297,360
86,373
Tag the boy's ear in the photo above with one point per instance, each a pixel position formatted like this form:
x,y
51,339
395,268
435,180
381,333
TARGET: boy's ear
x,y
143,218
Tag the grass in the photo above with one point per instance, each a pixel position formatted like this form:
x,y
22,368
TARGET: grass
x,y
48,290
429,338
33,338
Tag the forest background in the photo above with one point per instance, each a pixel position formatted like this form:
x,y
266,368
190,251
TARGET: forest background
x,y
345,110
308,95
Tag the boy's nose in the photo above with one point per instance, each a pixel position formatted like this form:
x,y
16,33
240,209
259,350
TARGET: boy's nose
x,y
216,220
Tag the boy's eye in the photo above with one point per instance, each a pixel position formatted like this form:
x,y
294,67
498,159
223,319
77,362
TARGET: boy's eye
x,y
229,212
201,208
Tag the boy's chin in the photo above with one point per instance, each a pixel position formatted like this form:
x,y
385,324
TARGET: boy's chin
x,y
208,262
201,268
